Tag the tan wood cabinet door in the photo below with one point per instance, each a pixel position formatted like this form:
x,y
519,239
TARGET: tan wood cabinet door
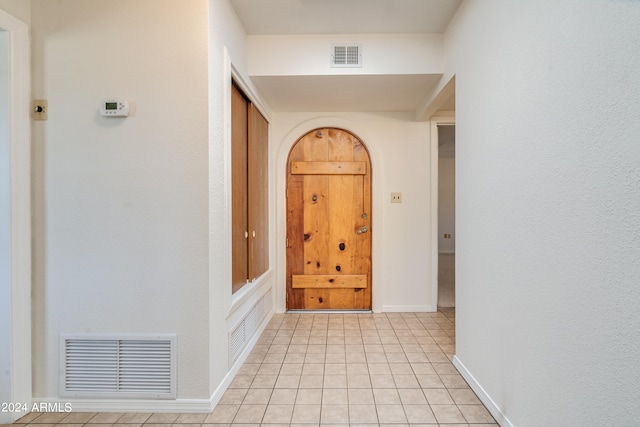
x,y
329,222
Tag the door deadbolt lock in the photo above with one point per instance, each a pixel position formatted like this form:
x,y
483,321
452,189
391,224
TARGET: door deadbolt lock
x,y
363,230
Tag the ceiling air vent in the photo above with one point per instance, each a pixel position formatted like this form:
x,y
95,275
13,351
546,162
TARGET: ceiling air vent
x,y
346,55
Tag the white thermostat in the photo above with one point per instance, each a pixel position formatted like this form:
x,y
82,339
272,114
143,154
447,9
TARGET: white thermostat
x,y
115,108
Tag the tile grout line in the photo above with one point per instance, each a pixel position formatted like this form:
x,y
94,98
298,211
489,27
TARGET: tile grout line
x,y
298,331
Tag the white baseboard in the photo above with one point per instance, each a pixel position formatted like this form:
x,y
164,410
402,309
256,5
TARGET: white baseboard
x,y
491,406
224,384
409,308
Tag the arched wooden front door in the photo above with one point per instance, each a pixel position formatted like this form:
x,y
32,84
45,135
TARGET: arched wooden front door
x,y
329,222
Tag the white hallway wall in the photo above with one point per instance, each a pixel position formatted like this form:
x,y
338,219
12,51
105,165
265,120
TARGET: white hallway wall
x,y
121,205
130,214
383,54
548,171
5,231
21,9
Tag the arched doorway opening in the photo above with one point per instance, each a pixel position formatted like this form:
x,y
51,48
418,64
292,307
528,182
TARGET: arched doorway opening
x,y
328,240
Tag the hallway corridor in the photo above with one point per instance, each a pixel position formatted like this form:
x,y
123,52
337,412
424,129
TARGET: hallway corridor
x,y
335,369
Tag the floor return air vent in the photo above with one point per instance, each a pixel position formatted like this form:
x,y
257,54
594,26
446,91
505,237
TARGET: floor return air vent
x,y
124,366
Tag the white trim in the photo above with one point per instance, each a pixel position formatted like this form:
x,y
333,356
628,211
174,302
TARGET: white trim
x,y
436,120
433,103
409,308
226,381
484,397
20,207
250,292
226,209
248,91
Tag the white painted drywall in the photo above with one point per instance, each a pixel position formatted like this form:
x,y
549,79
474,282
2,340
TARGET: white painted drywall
x,y
399,150
381,54
227,55
121,204
20,9
548,207
5,230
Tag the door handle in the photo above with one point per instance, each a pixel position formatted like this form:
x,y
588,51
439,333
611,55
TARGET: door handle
x,y
362,230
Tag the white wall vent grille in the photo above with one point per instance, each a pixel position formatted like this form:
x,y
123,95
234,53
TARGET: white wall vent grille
x,y
346,55
245,330
107,366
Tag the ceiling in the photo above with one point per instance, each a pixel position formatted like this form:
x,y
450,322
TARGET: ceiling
x,y
262,17
345,92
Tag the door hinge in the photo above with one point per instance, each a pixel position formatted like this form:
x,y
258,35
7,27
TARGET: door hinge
x,y
287,243
287,195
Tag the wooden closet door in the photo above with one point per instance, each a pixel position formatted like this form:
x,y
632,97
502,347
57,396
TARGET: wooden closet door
x,y
258,193
239,210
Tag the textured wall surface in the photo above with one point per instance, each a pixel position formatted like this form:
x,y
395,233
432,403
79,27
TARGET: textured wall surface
x,y
548,207
5,232
120,204
20,9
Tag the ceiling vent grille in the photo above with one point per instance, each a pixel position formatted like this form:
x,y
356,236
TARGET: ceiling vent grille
x,y
96,365
346,55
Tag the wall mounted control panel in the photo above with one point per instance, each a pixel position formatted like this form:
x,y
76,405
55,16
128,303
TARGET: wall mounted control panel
x,y
115,108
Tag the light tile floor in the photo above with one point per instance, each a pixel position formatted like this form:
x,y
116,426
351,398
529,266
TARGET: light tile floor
x,y
332,369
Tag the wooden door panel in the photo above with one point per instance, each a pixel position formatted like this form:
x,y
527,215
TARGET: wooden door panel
x,y
334,299
328,260
239,158
316,299
342,235
258,210
316,224
328,168
362,204
315,147
329,281
340,144
295,233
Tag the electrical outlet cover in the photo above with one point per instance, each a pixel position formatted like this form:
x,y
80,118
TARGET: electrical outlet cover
x,y
40,109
